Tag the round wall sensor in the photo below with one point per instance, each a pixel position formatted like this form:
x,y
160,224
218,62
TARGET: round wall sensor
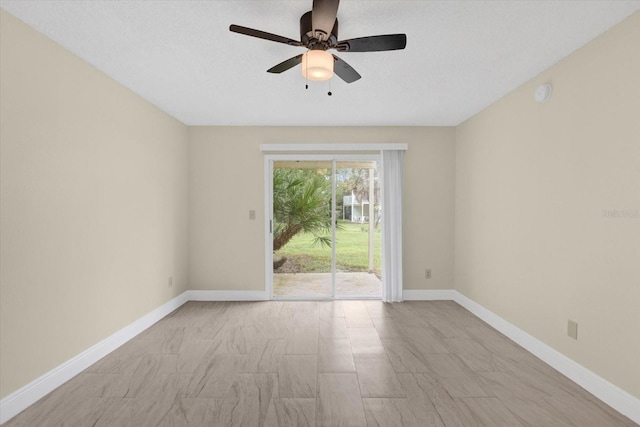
x,y
543,93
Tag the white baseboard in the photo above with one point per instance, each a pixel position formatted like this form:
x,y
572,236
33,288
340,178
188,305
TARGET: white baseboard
x,y
610,394
22,398
428,294
228,295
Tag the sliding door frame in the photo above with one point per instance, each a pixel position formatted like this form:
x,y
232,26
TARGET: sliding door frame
x,y
269,160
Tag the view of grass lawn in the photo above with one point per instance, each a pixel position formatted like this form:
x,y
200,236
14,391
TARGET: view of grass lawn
x,y
352,250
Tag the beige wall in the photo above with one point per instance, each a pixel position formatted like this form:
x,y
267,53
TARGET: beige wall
x,y
532,181
226,180
93,205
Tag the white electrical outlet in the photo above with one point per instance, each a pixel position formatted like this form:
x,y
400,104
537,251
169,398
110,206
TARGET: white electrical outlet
x,y
252,214
170,282
427,273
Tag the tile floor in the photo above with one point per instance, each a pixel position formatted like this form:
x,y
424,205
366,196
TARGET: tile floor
x,y
340,363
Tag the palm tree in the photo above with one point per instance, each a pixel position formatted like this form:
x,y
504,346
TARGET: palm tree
x,y
356,181
301,203
358,184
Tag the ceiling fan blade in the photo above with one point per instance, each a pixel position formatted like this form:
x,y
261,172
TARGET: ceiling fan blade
x,y
323,17
345,71
373,43
263,35
285,65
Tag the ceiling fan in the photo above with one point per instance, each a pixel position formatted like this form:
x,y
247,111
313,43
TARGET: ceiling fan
x,y
319,33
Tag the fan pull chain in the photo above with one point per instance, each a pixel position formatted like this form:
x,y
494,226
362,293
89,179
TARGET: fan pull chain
x,y
306,73
329,93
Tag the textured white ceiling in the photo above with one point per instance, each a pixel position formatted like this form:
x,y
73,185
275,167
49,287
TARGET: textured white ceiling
x,y
461,56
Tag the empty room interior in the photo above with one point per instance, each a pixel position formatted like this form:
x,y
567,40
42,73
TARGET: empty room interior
x,y
428,217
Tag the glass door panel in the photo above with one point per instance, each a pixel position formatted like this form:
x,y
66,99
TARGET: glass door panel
x,y
358,250
302,229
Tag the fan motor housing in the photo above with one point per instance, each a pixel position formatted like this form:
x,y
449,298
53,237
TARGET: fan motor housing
x,y
308,37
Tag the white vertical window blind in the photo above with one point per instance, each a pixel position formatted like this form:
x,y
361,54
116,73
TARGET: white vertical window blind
x,y
392,191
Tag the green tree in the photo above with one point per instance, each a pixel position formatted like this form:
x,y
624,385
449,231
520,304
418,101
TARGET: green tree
x,y
301,203
356,181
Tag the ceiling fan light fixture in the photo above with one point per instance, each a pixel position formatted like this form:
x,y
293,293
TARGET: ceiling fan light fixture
x,y
317,65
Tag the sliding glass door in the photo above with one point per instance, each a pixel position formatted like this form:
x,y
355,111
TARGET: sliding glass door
x,y
324,233
358,237
302,229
